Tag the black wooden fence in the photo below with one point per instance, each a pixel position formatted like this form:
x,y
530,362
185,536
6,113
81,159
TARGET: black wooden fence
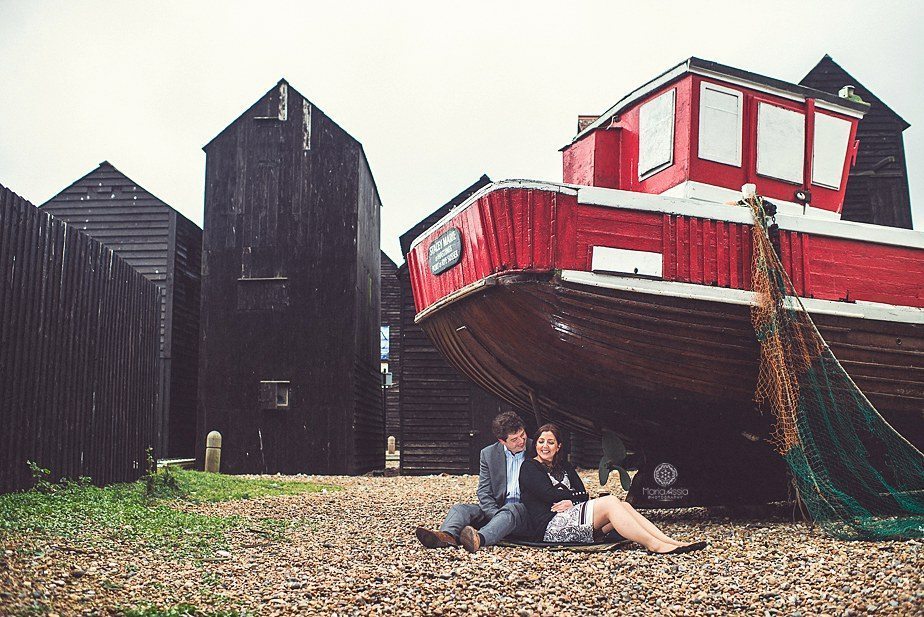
x,y
78,353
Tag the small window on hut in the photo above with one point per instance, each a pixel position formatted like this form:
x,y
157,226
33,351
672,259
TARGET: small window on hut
x,y
262,294
274,395
656,135
780,143
720,124
829,150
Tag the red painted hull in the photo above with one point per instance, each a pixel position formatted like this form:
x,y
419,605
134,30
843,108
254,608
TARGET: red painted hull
x,y
522,314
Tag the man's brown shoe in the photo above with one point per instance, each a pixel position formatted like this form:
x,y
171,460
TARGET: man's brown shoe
x,y
435,539
470,539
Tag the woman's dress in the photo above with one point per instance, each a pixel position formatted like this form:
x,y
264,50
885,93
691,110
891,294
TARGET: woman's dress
x,y
576,524
540,487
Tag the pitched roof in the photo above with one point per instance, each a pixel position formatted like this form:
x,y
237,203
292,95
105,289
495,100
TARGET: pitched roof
x,y
108,172
830,76
289,88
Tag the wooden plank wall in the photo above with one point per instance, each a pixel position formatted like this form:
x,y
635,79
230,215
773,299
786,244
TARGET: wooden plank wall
x,y
445,419
435,405
391,317
184,337
78,353
166,248
290,292
877,189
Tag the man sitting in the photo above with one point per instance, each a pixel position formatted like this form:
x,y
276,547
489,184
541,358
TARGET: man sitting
x,y
498,512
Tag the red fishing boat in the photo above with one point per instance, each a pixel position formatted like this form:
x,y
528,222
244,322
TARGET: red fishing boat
x,y
620,298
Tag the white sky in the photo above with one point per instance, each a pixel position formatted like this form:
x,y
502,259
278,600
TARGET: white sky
x,y
438,93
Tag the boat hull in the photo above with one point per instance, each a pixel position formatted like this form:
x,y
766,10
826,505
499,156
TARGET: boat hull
x,y
674,376
604,309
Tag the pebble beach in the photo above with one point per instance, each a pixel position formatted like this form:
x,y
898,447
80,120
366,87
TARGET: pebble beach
x,y
353,552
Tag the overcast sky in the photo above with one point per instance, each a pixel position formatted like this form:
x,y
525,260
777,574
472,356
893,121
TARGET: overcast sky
x,y
438,93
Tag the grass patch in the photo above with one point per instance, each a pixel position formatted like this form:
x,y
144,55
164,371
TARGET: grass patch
x,y
87,515
201,486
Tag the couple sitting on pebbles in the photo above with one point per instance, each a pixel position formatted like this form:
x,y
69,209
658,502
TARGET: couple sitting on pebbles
x,y
539,499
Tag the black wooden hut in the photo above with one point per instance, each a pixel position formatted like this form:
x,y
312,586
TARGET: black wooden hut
x,y
391,346
445,418
78,353
166,248
289,356
877,189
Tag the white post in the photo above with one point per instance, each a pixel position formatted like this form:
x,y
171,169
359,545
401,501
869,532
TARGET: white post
x,y
213,452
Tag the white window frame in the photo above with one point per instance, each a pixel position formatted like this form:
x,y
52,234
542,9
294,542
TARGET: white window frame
x,y
841,158
773,173
659,166
739,95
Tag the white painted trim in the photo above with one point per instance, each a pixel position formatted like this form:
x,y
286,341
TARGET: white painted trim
x,y
739,95
711,193
535,185
775,92
626,261
819,104
646,134
770,155
850,230
684,68
858,310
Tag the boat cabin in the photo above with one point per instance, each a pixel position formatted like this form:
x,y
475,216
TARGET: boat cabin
x,y
702,130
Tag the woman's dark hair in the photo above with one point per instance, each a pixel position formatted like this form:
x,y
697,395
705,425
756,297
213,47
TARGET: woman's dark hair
x,y
556,432
506,424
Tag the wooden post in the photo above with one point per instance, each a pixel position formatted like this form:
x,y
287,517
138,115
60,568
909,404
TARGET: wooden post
x,y
213,452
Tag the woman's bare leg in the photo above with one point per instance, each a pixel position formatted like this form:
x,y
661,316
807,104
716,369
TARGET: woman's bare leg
x,y
650,527
609,510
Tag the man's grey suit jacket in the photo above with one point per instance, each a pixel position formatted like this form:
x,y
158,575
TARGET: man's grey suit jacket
x,y
492,477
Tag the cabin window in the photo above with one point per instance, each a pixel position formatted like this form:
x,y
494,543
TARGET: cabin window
x,y
274,395
720,124
656,135
780,143
829,150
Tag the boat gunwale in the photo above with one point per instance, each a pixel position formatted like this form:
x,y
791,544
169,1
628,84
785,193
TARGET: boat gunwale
x,y
692,208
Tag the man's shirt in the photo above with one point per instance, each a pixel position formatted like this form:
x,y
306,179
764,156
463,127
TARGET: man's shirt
x,y
514,462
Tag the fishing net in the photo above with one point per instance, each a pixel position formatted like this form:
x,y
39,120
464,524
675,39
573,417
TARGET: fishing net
x,y
857,477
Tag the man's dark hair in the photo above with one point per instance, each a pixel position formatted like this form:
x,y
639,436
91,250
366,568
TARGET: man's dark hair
x,y
506,424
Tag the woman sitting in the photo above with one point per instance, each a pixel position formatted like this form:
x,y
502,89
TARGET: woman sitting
x,y
559,510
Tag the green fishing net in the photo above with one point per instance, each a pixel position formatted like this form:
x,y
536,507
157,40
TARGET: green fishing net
x,y
857,477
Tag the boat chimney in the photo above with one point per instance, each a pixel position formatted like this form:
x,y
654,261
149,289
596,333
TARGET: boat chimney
x,y
846,92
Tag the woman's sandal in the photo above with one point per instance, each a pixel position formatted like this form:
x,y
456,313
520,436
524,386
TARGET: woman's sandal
x,y
689,548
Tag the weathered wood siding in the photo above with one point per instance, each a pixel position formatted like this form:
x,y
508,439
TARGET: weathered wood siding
x,y
290,293
877,189
184,290
445,419
165,247
78,352
391,317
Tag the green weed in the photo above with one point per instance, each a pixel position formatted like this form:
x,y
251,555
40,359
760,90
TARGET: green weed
x,y
141,513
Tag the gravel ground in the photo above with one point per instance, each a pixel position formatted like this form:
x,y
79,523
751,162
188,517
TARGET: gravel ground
x,y
354,552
